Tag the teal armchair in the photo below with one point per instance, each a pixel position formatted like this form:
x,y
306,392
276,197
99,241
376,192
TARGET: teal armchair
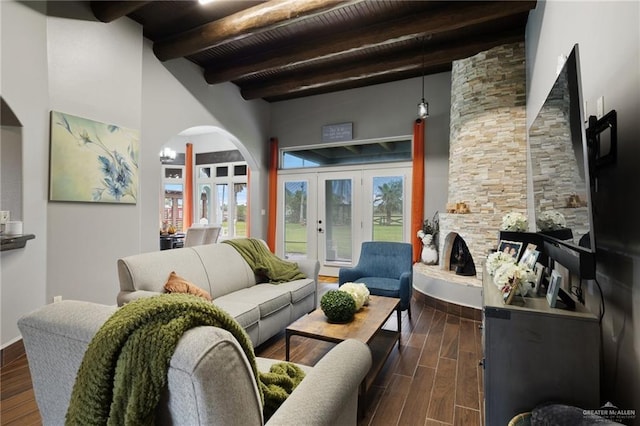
x,y
386,269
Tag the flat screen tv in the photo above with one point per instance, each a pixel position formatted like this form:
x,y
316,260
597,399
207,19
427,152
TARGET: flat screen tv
x,y
561,174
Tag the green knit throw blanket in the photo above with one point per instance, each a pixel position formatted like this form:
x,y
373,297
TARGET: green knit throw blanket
x,y
265,263
124,370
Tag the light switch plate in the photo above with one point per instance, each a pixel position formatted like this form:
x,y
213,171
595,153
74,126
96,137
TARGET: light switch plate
x,y
4,217
600,107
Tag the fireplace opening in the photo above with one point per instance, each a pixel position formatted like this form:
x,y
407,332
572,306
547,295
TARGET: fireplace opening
x,y
457,256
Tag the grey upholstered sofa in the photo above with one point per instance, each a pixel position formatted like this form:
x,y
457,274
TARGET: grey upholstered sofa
x,y
262,309
210,381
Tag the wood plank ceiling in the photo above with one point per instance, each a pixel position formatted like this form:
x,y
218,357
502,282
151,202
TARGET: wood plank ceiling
x,y
285,49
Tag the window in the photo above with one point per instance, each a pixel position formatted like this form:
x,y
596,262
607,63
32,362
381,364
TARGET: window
x,y
173,187
222,199
240,170
354,152
173,172
204,172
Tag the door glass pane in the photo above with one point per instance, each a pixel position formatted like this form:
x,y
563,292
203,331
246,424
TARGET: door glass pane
x,y
339,202
205,204
240,220
388,215
172,211
222,207
295,219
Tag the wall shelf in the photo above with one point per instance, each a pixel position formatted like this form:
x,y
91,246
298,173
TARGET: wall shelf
x,y
11,242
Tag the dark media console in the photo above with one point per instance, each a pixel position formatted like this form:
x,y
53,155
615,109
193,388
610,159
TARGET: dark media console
x,y
534,354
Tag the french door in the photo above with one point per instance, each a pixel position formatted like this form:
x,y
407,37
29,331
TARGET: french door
x,y
328,214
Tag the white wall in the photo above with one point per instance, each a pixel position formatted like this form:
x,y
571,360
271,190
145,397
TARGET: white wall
x,y
176,97
383,110
106,72
24,86
608,35
95,71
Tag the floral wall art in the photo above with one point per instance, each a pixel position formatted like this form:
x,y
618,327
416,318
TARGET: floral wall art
x,y
92,161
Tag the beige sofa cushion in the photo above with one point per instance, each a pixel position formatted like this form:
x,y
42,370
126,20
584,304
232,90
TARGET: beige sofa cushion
x,y
150,271
300,289
245,313
225,268
269,298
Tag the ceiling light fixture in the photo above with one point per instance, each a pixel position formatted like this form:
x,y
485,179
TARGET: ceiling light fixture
x,y
205,1
423,107
167,154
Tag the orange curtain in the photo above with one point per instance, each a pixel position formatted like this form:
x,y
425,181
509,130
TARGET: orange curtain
x,y
187,210
273,192
417,191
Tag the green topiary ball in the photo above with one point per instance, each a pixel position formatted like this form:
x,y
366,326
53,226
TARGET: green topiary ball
x,y
338,306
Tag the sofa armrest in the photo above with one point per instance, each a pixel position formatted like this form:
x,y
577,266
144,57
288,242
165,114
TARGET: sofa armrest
x,y
55,337
309,267
348,275
328,395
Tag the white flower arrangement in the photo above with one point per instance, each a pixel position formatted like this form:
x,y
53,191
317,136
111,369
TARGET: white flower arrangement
x,y
358,291
497,259
514,221
551,220
510,275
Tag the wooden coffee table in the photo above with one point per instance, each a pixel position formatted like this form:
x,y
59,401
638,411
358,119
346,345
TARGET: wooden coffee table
x,y
366,326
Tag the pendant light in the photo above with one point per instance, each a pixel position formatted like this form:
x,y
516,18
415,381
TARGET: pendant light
x,y
423,107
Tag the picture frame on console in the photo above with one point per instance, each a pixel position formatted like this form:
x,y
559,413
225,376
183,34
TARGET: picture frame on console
x,y
554,286
538,270
530,256
510,247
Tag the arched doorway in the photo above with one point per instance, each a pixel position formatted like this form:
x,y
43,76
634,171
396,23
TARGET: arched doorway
x,y
220,180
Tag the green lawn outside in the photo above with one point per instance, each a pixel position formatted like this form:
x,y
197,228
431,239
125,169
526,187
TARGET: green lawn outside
x,y
296,236
241,229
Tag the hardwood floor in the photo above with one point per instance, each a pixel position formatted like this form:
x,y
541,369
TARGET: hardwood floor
x,y
433,379
17,401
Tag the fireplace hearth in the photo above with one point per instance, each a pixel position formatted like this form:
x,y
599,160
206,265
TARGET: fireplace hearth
x,y
461,259
457,257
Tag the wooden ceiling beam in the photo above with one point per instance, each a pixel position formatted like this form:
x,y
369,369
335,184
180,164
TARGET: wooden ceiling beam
x,y
108,11
329,78
427,23
251,21
354,84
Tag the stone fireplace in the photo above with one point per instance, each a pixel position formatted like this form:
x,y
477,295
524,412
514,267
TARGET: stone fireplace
x,y
487,147
487,152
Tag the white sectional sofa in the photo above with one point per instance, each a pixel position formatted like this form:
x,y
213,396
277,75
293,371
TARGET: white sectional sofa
x,y
262,309
210,381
